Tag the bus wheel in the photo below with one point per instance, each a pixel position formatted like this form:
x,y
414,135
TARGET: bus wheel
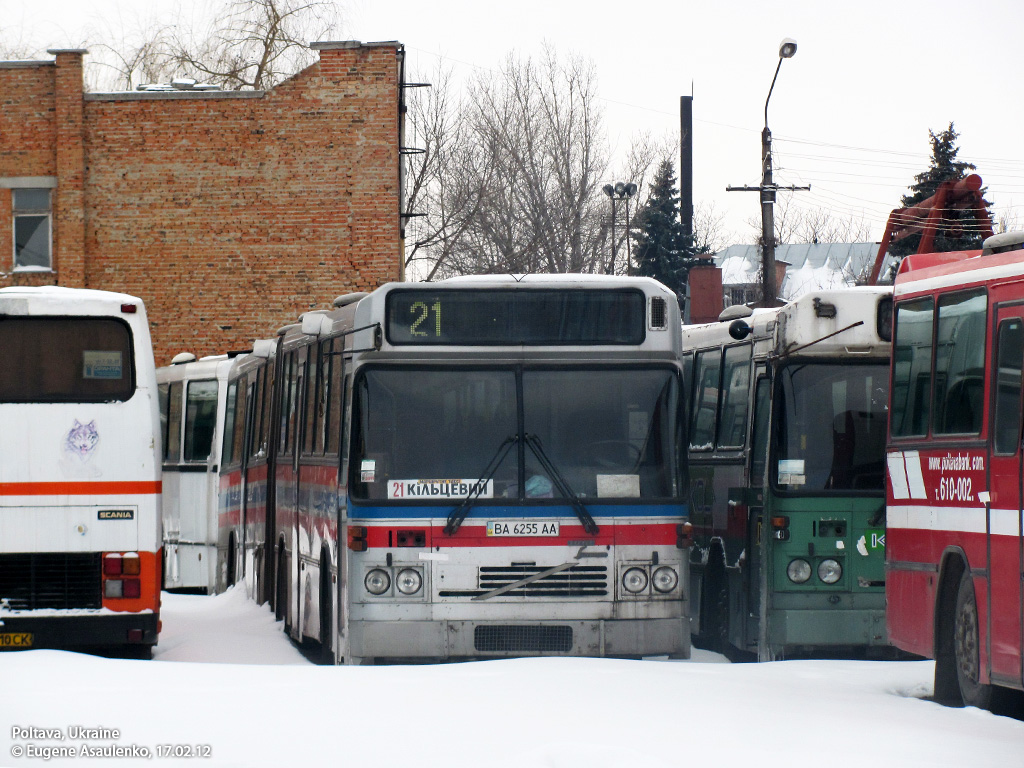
x,y
281,591
326,651
714,625
231,561
965,647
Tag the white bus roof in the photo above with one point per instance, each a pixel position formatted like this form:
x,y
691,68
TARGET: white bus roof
x,y
810,318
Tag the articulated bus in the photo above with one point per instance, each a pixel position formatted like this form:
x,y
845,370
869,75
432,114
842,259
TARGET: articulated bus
x,y
245,498
80,541
478,467
954,548
192,410
786,459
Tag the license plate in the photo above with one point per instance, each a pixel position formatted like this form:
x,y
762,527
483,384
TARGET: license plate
x,y
522,529
15,639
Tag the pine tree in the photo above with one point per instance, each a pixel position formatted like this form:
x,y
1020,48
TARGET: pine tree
x,y
944,166
662,248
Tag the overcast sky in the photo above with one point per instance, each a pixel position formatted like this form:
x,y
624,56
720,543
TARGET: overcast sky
x,y
850,113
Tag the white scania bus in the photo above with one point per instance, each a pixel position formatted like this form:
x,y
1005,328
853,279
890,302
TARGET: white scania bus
x,y
80,541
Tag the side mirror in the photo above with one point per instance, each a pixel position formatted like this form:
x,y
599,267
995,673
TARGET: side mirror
x,y
739,329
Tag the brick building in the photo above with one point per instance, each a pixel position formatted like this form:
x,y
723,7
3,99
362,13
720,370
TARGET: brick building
x,y
227,212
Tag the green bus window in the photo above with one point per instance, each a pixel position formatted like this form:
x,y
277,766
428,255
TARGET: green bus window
x,y
960,364
912,368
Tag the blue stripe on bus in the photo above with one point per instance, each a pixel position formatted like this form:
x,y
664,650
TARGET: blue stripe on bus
x,y
482,513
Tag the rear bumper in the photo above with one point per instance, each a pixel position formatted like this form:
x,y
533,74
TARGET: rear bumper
x,y
79,631
475,639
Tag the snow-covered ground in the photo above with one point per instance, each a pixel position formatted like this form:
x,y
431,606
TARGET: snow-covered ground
x,y
225,680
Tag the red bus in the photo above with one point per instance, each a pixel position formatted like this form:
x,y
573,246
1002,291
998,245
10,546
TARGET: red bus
x,y
954,547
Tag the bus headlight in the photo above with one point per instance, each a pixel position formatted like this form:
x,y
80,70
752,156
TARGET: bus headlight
x,y
664,579
830,571
377,581
798,571
634,580
408,581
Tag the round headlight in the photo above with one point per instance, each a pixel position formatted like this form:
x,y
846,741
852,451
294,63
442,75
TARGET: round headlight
x,y
377,581
665,579
830,571
798,571
408,581
635,580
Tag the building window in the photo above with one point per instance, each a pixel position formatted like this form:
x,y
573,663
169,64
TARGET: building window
x,y
32,240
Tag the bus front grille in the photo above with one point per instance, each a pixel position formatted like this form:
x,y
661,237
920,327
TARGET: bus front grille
x,y
577,581
53,580
522,637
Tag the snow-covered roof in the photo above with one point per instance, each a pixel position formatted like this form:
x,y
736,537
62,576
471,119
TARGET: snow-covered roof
x,y
811,266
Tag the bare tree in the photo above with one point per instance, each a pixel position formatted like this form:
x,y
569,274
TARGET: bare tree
x,y
510,179
130,62
444,182
812,225
256,43
709,234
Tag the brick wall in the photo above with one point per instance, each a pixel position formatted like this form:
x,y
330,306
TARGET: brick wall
x,y
227,213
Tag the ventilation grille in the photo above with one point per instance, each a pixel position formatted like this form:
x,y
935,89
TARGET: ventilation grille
x,y
659,313
578,581
56,580
519,638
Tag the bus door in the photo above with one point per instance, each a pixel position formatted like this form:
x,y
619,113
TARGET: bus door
x,y
1005,473
259,492
754,582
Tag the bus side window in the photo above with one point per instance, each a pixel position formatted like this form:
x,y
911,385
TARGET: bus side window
x,y
163,397
229,423
173,452
960,364
912,368
705,404
732,423
1009,363
759,441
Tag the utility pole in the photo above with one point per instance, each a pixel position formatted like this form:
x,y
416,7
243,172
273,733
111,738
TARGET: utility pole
x,y
768,188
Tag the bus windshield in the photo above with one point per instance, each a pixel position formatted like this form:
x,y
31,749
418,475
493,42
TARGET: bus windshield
x,y
428,435
830,433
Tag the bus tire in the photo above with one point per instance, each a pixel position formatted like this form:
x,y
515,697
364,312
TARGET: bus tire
x,y
966,648
714,624
281,590
326,614
231,562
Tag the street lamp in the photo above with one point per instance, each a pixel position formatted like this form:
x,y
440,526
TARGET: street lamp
x,y
768,287
621,191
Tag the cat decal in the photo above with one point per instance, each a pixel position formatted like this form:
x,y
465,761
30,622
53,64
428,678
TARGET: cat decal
x,y
78,450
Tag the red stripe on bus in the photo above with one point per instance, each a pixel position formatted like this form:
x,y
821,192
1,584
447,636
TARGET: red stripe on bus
x,y
86,488
642,534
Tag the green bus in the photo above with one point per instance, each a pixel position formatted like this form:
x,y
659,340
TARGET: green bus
x,y
788,410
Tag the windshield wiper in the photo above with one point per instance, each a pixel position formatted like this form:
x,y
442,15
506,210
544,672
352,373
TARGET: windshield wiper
x,y
563,486
459,513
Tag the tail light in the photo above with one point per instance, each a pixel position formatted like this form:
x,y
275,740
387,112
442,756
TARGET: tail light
x,y
357,538
780,528
116,565
684,535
